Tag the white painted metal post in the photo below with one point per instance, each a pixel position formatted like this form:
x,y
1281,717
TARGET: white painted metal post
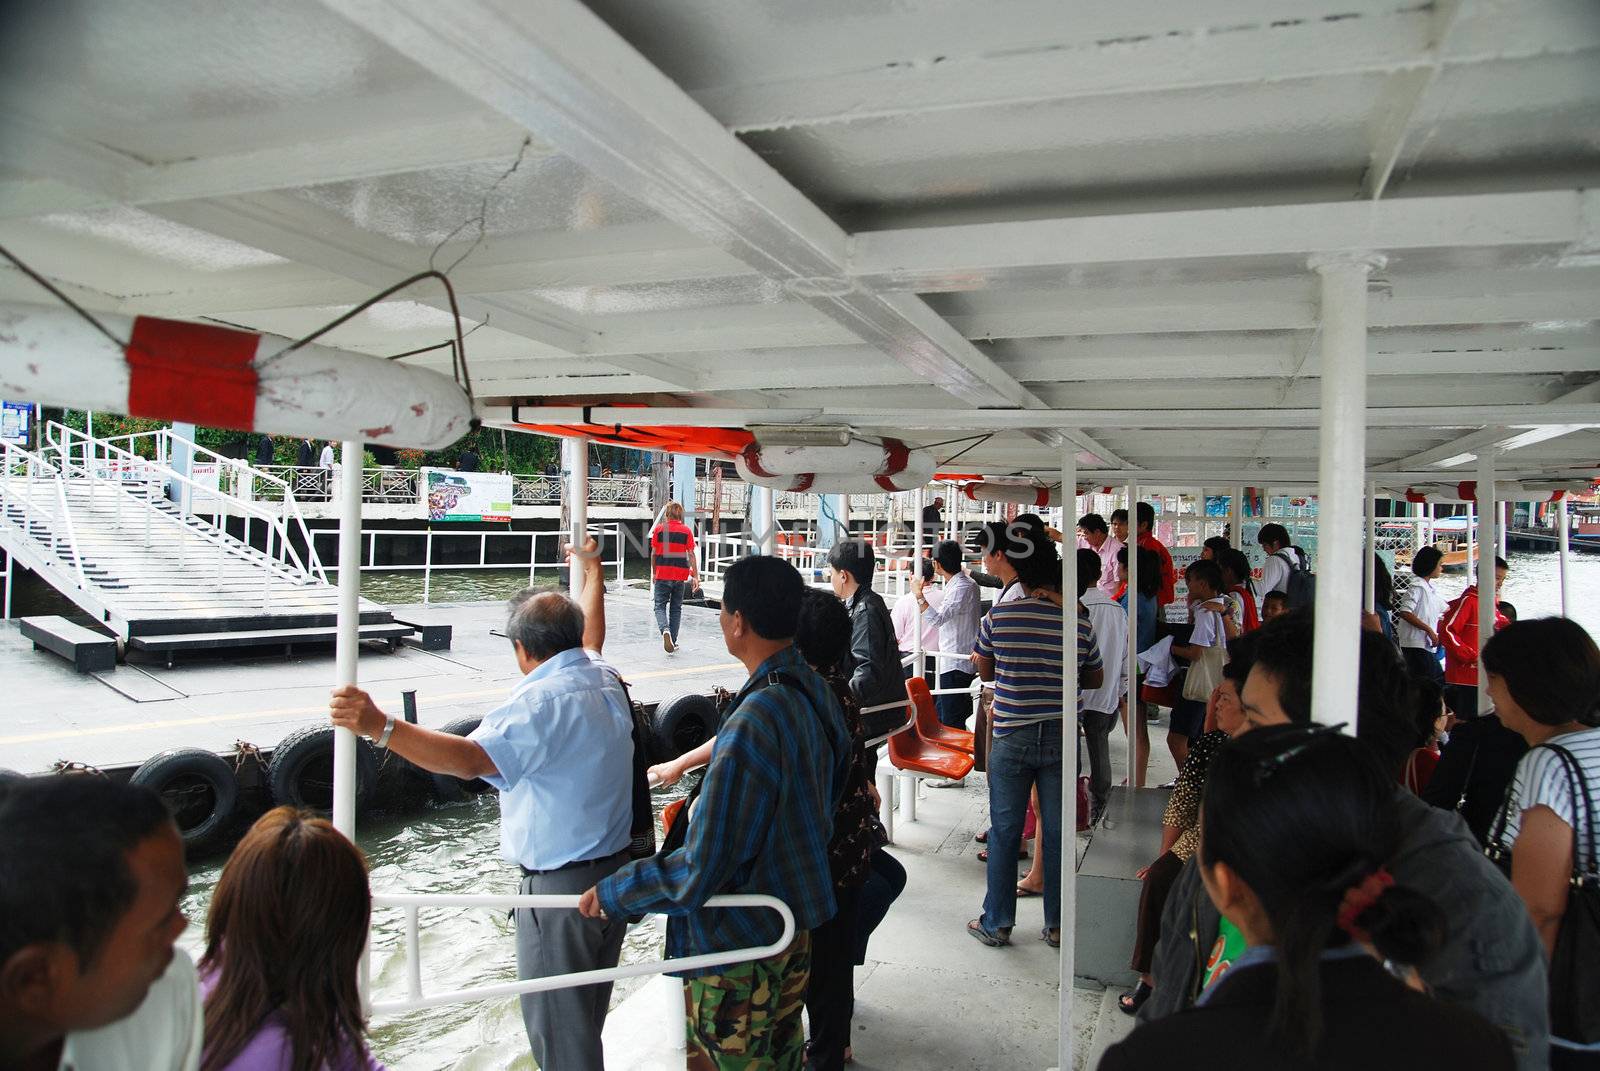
x,y
1369,596
1236,517
1562,541
1069,747
1342,461
9,577
1433,537
1488,516
1503,524
918,497
764,525
348,636
575,460
1135,714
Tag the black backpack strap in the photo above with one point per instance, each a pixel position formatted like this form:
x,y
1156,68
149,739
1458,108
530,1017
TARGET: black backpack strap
x,y
1578,788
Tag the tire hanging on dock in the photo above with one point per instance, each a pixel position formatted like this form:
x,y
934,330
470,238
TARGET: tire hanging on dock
x,y
301,771
447,789
201,791
681,724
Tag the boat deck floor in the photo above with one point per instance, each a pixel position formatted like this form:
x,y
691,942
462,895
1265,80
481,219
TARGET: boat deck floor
x,y
929,995
126,715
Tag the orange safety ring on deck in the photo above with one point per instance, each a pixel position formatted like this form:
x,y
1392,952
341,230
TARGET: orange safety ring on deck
x,y
723,443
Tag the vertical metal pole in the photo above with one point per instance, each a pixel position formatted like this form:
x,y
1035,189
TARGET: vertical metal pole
x,y
348,639
1560,545
576,463
1134,712
427,568
1488,516
1433,537
1069,747
1342,461
9,577
1236,518
1369,593
1503,519
765,527
918,497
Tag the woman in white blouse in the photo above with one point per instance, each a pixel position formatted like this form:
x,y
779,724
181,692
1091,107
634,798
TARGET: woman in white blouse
x,y
1417,621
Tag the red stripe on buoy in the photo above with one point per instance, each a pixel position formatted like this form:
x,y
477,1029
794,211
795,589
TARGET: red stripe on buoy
x,y
898,456
1415,496
192,372
1468,490
752,459
804,482
968,489
885,482
1041,497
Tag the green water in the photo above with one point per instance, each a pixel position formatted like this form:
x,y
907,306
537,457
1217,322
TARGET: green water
x,y
395,587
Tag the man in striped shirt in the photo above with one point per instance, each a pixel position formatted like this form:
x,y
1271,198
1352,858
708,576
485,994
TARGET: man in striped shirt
x,y
1019,648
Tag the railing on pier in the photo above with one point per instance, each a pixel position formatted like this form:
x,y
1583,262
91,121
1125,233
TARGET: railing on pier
x,y
553,560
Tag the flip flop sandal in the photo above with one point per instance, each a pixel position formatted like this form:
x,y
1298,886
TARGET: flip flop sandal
x,y
982,838
996,939
1053,942
1023,892
1130,1003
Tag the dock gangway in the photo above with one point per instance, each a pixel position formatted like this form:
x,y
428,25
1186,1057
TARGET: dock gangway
x,y
128,539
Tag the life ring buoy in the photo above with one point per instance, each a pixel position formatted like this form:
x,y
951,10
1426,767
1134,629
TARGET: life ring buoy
x,y
200,790
301,771
681,724
858,468
447,789
1025,494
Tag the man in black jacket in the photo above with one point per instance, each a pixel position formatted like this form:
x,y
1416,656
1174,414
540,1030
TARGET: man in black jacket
x,y
875,678
1491,961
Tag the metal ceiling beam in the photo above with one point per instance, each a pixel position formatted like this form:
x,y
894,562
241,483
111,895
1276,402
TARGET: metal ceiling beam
x,y
1038,252
1401,102
982,420
560,71
1498,437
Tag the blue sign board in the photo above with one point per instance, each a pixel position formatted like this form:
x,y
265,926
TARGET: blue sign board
x,y
16,422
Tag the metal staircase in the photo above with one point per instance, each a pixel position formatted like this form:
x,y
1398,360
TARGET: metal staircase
x,y
97,520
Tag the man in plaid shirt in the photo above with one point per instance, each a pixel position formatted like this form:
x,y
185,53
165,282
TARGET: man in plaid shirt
x,y
760,825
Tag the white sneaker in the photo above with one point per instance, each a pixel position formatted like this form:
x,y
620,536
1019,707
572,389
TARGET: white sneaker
x,y
666,643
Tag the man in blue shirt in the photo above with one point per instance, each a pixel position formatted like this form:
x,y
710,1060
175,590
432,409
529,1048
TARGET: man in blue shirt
x,y
760,825
560,751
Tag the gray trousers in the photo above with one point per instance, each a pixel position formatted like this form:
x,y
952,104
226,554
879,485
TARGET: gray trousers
x,y
1097,735
564,1024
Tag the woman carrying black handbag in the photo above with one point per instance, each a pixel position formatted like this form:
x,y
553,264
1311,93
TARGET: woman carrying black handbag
x,y
1544,678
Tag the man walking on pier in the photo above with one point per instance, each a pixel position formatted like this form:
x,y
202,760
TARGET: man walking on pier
x,y
671,570
760,824
560,751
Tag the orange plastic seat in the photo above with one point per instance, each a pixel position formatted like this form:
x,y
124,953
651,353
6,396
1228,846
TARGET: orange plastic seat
x,y
910,752
929,727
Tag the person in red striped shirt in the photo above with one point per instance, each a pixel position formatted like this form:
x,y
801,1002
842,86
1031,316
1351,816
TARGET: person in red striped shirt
x,y
672,569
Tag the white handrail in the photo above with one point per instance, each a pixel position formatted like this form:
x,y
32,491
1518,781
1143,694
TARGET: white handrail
x,y
911,718
62,516
412,902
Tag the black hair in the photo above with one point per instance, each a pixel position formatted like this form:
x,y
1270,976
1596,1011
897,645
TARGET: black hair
x,y
1017,540
1551,668
1429,701
1241,656
1275,597
1273,532
767,591
822,634
545,623
1149,570
1093,522
1147,514
1283,649
1235,561
64,843
854,556
1507,611
1089,566
947,552
1500,563
1302,816
1426,560
1034,557
926,569
1382,585
1205,571
1218,544
1119,515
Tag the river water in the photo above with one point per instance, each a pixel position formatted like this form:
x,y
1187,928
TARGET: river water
x,y
455,849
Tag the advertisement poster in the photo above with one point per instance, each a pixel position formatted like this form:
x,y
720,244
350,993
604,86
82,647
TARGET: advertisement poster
x,y
467,496
16,422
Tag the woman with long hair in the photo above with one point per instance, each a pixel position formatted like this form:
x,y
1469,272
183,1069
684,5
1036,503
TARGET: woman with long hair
x,y
1297,825
288,923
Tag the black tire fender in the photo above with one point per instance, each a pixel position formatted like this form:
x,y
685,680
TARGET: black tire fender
x,y
301,771
681,724
199,788
447,789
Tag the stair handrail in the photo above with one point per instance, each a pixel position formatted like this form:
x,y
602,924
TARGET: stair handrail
x,y
287,504
8,451
299,574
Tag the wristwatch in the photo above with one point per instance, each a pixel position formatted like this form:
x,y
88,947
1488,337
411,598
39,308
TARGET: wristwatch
x,y
382,739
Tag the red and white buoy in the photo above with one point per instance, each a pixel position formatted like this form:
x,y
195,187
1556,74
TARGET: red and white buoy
x,y
858,467
1504,491
1023,494
225,378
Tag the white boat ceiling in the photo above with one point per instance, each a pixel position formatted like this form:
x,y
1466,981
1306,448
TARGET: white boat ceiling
x,y
926,218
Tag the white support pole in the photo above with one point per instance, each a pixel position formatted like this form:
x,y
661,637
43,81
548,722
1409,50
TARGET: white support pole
x,y
1488,515
1236,517
1433,536
1342,461
348,636
1135,715
1562,540
1563,583
1503,519
1069,747
575,461
918,497
763,502
1369,593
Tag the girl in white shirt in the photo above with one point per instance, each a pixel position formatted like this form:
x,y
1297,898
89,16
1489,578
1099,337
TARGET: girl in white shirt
x,y
1417,621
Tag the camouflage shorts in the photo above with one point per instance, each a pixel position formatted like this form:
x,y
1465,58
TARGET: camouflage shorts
x,y
749,1016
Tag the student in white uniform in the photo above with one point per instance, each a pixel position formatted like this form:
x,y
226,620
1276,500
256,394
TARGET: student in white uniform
x,y
90,889
1416,624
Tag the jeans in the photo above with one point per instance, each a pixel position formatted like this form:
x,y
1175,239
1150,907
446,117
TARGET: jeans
x,y
883,887
830,991
1097,735
669,605
1018,761
954,710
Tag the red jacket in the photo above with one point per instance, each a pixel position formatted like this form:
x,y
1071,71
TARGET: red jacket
x,y
1169,577
1458,631
672,547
